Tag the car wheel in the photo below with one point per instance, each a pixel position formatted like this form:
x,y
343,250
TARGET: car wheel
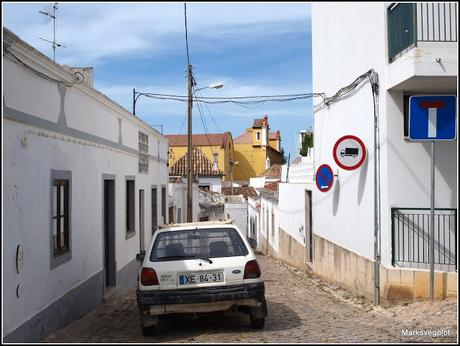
x,y
258,316
258,323
148,331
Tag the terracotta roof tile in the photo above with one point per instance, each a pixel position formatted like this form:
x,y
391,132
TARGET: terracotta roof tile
x,y
258,123
216,139
274,171
245,138
272,186
246,191
201,165
297,160
274,135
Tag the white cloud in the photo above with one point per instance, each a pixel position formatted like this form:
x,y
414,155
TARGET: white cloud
x,y
96,31
100,31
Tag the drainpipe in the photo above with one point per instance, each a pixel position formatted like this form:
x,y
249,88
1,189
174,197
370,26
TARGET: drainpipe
x,y
373,79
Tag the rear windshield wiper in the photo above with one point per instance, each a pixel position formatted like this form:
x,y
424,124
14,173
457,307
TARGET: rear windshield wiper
x,y
174,257
184,256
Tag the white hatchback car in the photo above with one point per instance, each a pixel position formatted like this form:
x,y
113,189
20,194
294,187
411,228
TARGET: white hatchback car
x,y
199,268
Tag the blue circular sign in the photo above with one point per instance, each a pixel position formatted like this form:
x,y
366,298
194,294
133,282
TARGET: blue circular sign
x,y
324,178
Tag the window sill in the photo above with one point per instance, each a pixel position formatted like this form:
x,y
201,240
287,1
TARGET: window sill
x,y
57,260
58,253
130,234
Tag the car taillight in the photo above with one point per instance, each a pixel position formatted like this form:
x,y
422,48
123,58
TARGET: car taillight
x,y
251,270
149,277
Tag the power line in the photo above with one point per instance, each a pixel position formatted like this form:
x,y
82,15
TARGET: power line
x,y
350,88
233,97
183,122
203,121
217,127
244,101
78,76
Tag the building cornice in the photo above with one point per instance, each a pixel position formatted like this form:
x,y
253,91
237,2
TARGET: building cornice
x,y
45,65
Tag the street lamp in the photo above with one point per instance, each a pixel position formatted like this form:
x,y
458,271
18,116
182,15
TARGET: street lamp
x,y
191,92
135,97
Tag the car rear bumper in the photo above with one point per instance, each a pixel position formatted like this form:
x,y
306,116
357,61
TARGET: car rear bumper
x,y
201,295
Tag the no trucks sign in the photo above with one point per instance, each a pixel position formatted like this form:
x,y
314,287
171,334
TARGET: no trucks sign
x,y
349,152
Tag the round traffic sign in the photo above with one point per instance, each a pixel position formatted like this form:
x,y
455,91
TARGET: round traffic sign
x,y
349,152
324,178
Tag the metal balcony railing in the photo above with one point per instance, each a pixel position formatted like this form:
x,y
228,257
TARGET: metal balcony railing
x,y
411,232
410,23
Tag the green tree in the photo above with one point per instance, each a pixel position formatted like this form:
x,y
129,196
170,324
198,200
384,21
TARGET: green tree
x,y
307,143
284,158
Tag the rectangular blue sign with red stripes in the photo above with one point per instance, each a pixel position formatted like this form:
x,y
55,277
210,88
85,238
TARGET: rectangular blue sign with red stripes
x,y
433,118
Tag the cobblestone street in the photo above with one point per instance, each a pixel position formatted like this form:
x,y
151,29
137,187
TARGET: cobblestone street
x,y
301,309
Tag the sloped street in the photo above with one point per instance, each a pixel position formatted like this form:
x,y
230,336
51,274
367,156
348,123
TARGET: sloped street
x,y
301,309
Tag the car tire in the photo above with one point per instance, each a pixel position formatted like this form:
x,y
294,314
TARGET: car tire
x,y
258,323
148,331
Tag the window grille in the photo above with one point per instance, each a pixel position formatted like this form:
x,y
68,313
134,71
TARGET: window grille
x,y
143,153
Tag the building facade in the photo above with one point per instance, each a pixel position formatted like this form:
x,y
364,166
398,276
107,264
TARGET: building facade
x,y
178,200
412,48
207,175
85,186
280,219
218,148
256,150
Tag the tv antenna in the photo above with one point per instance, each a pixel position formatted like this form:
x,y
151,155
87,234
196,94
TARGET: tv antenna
x,y
54,44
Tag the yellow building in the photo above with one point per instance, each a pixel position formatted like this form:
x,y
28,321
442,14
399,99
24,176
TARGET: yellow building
x,y
256,150
217,148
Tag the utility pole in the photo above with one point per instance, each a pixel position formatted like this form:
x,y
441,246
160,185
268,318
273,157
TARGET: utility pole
x,y
54,31
189,147
433,173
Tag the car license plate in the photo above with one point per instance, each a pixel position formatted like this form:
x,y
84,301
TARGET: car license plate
x,y
200,278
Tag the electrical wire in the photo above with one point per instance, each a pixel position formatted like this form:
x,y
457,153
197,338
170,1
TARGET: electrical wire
x,y
7,52
244,101
350,88
183,122
233,97
203,121
210,114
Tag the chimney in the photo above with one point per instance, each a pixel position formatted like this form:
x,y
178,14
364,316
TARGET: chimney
x,y
215,166
267,163
265,131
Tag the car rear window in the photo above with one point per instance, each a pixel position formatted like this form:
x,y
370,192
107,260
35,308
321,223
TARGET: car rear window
x,y
197,243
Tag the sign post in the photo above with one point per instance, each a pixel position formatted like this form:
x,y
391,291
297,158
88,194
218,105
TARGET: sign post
x,y
433,146
432,118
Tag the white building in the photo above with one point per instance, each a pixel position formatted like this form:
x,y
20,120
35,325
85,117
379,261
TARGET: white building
x,y
236,208
300,170
254,221
414,51
178,201
85,185
269,220
283,215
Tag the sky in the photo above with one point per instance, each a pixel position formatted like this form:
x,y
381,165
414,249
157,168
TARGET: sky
x,y
252,48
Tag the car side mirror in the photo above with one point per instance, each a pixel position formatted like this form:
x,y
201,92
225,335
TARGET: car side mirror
x,y
140,256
